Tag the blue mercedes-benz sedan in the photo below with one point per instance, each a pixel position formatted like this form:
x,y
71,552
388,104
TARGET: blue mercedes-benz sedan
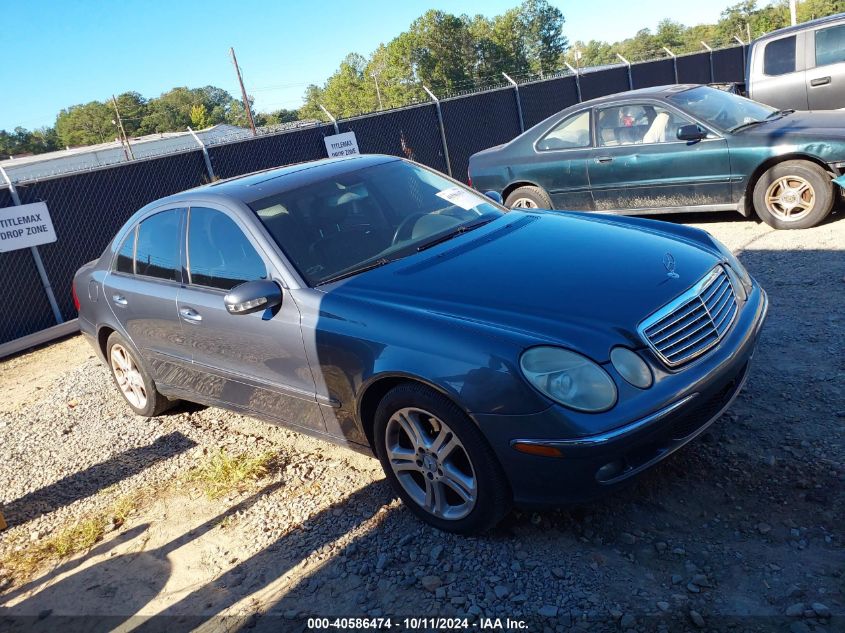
x,y
487,357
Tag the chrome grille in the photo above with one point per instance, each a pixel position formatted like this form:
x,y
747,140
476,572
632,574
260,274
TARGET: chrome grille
x,y
694,322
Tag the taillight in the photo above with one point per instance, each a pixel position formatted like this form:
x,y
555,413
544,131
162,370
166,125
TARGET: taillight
x,y
469,178
73,293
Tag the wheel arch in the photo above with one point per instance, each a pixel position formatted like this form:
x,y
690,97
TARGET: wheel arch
x,y
747,201
374,390
520,183
103,334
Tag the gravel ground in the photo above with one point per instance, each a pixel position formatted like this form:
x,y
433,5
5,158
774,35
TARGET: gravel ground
x,y
741,530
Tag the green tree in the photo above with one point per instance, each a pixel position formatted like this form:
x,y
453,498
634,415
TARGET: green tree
x,y
642,46
541,35
86,124
812,9
592,53
279,116
199,116
133,108
669,34
441,50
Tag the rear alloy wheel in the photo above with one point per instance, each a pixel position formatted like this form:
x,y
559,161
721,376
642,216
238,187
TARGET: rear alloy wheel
x,y
794,194
438,462
528,197
132,379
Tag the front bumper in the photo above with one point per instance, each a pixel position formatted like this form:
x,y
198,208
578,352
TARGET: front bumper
x,y
592,464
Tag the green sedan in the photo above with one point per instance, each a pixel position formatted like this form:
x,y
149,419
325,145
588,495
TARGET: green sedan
x,y
673,149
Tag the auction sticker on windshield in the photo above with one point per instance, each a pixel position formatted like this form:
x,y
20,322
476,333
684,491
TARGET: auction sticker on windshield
x,y
461,197
24,226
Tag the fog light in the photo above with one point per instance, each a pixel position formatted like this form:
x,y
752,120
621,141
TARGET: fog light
x,y
631,367
610,470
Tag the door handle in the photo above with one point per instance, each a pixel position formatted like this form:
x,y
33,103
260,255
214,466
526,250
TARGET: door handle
x,y
120,300
820,81
190,315
604,159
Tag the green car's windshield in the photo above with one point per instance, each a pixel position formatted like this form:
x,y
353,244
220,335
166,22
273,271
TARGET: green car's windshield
x,y
722,110
361,219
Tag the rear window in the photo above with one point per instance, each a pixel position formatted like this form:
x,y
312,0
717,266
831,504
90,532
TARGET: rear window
x,y
779,56
830,45
158,254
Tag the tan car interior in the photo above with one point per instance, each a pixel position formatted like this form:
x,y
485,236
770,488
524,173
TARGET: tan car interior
x,y
629,125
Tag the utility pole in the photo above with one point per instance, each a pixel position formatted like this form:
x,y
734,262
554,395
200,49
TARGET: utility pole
x,y
378,92
243,92
793,12
122,132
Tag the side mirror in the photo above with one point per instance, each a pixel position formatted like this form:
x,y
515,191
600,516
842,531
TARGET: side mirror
x,y
691,132
253,296
495,196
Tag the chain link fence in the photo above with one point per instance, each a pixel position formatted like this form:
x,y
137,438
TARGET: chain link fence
x,y
88,207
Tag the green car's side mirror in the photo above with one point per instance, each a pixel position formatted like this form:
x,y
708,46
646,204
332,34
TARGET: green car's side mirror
x,y
691,132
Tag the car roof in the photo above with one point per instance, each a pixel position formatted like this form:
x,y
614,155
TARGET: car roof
x,y
800,27
653,92
261,184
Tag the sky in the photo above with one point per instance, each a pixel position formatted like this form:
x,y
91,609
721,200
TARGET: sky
x,y
58,53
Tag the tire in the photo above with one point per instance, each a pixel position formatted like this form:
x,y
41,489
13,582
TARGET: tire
x,y
794,194
127,371
525,197
470,465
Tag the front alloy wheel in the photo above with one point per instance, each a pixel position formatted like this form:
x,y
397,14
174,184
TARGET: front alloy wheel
x,y
524,203
430,462
794,194
790,198
438,461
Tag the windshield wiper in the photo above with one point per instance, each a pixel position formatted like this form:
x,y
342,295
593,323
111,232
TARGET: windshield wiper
x,y
448,236
742,126
354,271
780,113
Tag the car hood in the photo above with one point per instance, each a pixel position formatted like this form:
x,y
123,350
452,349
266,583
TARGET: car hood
x,y
568,279
824,123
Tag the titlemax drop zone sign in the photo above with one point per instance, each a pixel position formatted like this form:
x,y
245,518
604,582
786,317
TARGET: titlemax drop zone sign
x,y
341,145
25,226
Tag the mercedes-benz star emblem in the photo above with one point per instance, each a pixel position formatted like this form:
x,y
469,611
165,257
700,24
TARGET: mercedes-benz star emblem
x,y
669,263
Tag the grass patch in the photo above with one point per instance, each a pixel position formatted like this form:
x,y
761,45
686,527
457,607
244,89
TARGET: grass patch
x,y
223,473
69,541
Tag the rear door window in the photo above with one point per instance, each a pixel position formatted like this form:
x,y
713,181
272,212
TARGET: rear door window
x,y
830,45
219,254
157,253
571,133
779,56
125,260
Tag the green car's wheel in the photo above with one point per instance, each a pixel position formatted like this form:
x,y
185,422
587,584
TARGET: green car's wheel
x,y
528,197
795,194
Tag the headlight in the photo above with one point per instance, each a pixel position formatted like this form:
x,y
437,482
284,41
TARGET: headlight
x,y
569,378
734,263
631,367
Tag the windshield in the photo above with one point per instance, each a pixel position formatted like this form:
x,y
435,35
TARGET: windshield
x,y
362,217
720,109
